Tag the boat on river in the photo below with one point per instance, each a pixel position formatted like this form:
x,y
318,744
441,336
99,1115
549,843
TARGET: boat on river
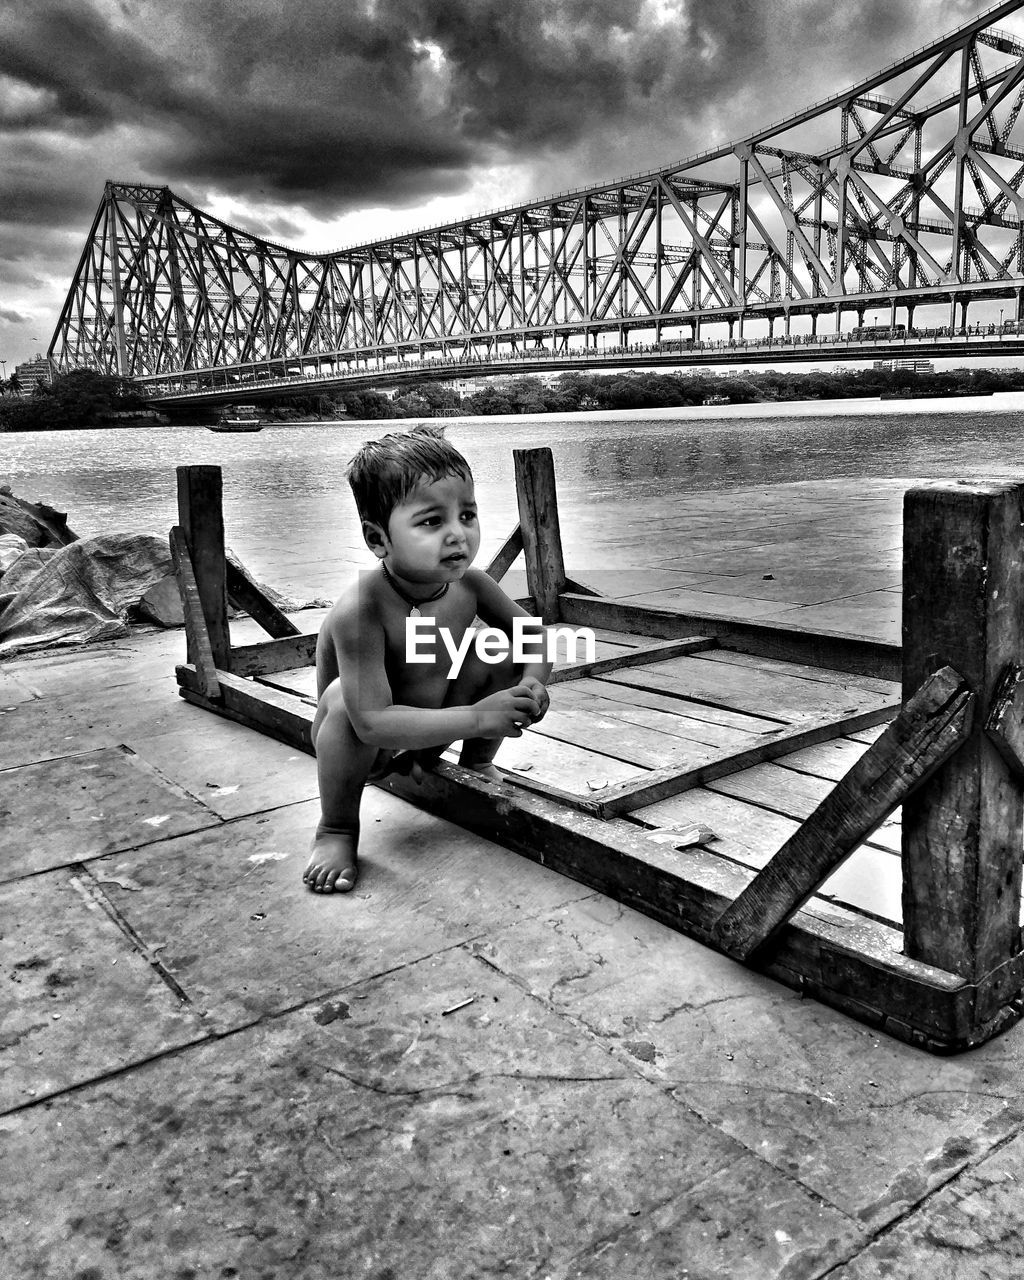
x,y
241,417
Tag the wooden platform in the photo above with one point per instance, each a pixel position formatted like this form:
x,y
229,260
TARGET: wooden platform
x,y
735,780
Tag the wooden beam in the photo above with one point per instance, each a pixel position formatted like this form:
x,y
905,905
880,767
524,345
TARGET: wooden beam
x,y
280,715
963,606
196,636
201,517
661,784
506,555
858,655
1005,723
638,657
538,521
930,728
267,656
245,593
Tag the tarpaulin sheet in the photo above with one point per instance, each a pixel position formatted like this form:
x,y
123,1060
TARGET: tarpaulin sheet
x,y
79,593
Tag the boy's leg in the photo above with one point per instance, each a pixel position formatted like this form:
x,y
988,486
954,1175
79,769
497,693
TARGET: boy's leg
x,y
343,763
477,680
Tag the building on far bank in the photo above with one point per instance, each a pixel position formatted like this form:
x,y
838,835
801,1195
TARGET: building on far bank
x,y
906,365
32,372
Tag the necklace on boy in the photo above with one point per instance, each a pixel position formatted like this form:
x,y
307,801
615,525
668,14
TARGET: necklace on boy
x,y
414,611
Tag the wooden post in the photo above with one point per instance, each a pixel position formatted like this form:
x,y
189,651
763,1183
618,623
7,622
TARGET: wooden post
x,y
197,638
538,520
963,606
201,516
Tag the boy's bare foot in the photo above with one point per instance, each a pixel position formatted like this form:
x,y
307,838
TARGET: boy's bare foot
x,y
332,861
486,770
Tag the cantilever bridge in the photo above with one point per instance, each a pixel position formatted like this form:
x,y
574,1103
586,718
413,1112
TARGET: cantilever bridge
x,y
868,224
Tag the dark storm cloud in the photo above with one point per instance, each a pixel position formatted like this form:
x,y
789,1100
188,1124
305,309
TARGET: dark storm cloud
x,y
336,107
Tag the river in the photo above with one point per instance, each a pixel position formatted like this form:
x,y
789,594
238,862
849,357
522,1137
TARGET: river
x,y
289,514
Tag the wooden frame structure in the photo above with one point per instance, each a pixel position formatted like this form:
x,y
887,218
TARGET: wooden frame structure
x,y
952,754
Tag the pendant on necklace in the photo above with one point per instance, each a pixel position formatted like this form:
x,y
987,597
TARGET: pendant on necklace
x,y
414,612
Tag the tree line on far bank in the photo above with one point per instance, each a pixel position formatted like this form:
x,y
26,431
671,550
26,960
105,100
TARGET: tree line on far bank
x,y
84,398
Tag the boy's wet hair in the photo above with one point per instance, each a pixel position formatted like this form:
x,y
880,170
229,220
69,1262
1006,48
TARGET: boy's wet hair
x,y
384,472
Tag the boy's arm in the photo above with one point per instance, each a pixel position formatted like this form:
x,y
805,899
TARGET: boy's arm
x,y
359,642
497,609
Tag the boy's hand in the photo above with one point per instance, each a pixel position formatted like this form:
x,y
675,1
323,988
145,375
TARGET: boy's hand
x,y
502,714
540,694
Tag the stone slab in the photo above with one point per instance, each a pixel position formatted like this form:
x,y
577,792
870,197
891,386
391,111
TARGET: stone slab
x,y
971,1230
734,1225
799,585
866,1123
878,614
687,600
83,720
245,938
233,770
80,999
375,1136
13,691
79,807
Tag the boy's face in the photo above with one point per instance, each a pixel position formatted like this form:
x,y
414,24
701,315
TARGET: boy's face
x,y
433,536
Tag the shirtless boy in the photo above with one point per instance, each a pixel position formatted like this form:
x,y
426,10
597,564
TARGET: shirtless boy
x,y
415,498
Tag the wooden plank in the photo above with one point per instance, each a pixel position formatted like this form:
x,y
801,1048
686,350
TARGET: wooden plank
x,y
301,681
831,760
279,715
933,724
869,881
201,517
963,606
196,636
718,717
268,656
1005,721
537,786
576,771
506,555
635,744
659,784
784,698
628,639
631,658
687,732
856,654
245,593
774,666
776,789
538,521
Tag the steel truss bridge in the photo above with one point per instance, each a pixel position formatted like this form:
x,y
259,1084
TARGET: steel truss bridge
x,y
902,193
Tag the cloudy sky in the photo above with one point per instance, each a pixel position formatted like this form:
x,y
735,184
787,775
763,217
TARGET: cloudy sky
x,y
326,123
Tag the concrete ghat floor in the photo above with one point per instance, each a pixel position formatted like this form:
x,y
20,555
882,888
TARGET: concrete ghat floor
x,y
206,1071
